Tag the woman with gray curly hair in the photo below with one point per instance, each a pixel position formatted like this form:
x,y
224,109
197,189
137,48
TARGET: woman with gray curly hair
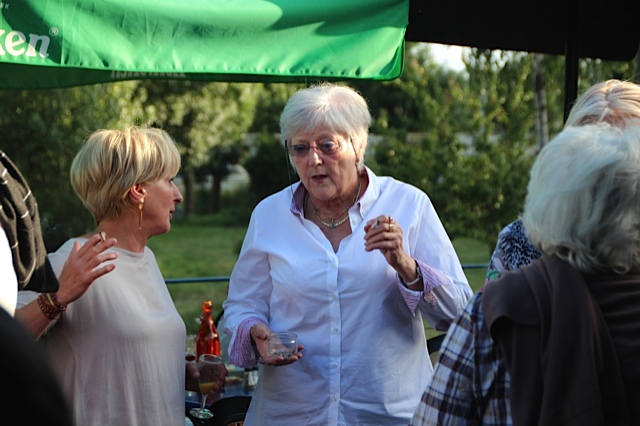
x,y
555,342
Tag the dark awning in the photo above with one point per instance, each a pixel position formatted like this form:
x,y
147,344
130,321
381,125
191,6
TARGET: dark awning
x,y
592,28
576,29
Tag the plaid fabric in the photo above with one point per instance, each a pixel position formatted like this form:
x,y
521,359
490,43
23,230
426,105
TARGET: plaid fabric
x,y
471,383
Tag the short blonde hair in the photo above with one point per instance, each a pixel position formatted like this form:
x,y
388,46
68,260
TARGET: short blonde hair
x,y
110,162
612,101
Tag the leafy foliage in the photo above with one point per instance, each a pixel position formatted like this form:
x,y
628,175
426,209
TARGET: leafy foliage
x,y
269,168
467,139
207,120
41,133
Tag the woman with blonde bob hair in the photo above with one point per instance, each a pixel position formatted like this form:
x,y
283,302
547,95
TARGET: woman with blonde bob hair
x,y
112,162
556,342
118,345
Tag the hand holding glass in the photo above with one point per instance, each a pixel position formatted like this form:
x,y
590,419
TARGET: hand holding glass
x,y
209,367
283,344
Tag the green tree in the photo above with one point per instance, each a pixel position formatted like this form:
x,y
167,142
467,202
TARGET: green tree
x,y
268,167
267,163
423,140
270,103
432,162
420,99
221,157
467,139
42,132
206,119
503,139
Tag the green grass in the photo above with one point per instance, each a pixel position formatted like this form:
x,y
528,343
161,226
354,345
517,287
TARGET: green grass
x,y
205,247
472,252
197,249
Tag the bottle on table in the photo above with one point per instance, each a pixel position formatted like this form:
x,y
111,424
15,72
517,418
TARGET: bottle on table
x,y
207,339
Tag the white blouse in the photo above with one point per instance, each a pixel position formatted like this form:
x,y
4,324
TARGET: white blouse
x,y
365,360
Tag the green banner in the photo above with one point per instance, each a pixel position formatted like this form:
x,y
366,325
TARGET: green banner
x,y
61,43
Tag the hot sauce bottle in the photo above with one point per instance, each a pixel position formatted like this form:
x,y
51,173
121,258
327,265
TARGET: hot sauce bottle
x,y
207,339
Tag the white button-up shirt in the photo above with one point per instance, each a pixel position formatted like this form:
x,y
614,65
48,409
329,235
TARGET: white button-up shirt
x,y
365,359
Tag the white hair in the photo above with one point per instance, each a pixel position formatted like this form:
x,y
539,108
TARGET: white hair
x,y
583,201
339,108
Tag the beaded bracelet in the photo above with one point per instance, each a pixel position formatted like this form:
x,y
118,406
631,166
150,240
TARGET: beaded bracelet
x,y
48,309
53,298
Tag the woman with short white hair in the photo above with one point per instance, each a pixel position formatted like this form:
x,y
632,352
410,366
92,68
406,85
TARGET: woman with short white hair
x,y
351,262
557,341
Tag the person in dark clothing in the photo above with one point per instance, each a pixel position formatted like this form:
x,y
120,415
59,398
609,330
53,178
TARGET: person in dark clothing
x,y
33,395
556,342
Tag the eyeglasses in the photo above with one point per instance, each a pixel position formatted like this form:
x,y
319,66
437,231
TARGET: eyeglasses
x,y
325,146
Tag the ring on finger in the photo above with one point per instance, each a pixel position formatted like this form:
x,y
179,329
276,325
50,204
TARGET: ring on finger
x,y
392,227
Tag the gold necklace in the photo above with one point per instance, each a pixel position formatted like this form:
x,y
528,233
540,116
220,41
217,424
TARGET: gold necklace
x,y
333,222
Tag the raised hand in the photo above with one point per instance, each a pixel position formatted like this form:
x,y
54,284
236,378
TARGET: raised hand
x,y
84,266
